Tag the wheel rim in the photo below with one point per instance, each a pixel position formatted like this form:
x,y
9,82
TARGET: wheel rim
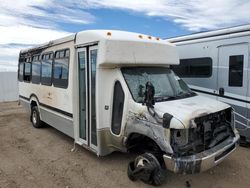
x,y
141,161
34,117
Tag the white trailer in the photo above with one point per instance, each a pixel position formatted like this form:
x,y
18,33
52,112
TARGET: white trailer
x,y
216,64
114,91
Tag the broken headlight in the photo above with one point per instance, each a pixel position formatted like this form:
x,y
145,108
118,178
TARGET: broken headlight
x,y
179,137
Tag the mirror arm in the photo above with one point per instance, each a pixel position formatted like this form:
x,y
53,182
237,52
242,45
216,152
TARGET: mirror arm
x,y
155,115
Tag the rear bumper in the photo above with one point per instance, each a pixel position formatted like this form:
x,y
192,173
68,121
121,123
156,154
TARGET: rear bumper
x,y
201,161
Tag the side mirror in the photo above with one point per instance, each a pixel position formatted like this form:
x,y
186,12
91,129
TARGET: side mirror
x,y
149,95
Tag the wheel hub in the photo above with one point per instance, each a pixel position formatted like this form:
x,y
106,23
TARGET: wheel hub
x,y
34,117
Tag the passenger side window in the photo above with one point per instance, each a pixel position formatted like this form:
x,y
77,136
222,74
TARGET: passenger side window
x,y
46,75
61,69
117,112
27,70
20,72
195,68
36,70
236,64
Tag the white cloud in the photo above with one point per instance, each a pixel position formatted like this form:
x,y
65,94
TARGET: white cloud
x,y
32,22
9,54
195,15
24,37
29,12
22,34
37,21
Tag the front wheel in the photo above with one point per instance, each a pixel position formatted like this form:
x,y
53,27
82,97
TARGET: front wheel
x,y
35,117
147,168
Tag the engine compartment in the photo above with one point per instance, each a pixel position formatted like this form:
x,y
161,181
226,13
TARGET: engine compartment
x,y
207,131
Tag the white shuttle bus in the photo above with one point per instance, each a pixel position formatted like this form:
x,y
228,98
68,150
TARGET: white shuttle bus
x,y
216,64
114,91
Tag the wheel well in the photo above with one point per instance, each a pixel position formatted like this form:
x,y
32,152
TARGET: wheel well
x,y
138,143
32,104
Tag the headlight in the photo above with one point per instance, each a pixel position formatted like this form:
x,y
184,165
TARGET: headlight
x,y
179,137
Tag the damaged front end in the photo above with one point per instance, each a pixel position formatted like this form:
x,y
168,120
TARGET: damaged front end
x,y
208,141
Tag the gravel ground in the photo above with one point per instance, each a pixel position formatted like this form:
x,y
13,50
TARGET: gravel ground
x,y
32,157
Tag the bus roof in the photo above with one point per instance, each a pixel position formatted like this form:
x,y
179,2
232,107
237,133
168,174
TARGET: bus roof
x,y
121,47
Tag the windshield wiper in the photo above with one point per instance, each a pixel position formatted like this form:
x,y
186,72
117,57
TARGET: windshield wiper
x,y
160,99
186,94
180,95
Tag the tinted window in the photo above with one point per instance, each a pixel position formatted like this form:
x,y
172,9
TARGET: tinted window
x,y
27,72
46,75
61,69
118,102
93,60
20,72
236,70
36,70
82,97
196,67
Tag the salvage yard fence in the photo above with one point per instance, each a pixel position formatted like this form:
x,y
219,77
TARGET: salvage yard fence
x,y
8,86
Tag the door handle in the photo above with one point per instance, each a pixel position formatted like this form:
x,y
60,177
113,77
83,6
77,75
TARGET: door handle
x,y
221,91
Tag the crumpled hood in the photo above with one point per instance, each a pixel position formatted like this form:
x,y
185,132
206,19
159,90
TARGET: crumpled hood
x,y
187,109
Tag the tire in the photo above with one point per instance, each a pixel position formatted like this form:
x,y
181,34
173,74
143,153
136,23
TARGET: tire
x,y
131,168
35,117
153,174
158,178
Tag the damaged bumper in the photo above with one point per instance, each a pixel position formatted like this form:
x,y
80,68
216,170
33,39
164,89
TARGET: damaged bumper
x,y
201,161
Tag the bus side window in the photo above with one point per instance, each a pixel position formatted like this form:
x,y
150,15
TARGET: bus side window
x,y
61,69
46,75
36,70
20,72
117,112
27,72
235,76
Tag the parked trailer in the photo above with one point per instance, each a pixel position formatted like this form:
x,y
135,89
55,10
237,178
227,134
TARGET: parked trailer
x,y
216,64
114,91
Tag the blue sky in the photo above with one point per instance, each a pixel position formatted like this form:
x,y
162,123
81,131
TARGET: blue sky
x,y
130,21
26,23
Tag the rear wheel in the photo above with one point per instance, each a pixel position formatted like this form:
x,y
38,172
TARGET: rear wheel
x,y
35,117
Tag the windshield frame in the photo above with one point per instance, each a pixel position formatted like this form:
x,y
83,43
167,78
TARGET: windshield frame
x,y
191,93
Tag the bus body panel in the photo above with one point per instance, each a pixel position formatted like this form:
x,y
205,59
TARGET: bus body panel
x,y
55,104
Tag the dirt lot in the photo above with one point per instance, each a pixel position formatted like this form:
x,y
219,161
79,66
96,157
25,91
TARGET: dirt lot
x,y
32,157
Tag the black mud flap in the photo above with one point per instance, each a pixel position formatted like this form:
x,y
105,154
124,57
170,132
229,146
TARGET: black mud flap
x,y
147,169
243,142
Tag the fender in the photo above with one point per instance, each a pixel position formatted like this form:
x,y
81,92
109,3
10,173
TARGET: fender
x,y
152,131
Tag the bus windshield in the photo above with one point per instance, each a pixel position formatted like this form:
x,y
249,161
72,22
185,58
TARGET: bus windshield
x,y
167,85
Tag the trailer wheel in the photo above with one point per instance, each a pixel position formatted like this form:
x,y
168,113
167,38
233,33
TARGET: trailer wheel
x,y
35,117
147,168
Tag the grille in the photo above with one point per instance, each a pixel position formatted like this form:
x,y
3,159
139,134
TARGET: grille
x,y
210,131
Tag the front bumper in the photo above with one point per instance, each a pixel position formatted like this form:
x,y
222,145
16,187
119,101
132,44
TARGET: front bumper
x,y
202,161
